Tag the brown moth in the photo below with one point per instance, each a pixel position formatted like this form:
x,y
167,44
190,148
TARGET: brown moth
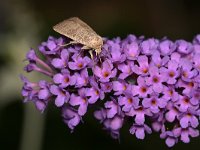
x,y
80,32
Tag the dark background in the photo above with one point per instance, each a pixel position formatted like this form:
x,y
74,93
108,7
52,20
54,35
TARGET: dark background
x,y
26,23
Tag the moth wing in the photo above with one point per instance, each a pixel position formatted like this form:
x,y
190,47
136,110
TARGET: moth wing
x,y
75,29
83,24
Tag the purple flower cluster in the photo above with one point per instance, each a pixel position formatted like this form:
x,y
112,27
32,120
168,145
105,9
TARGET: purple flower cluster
x,y
154,83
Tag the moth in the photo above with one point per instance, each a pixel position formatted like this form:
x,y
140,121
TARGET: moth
x,y
77,30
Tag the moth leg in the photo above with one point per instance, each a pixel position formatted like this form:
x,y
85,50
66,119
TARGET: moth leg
x,y
82,49
78,54
98,55
70,43
100,59
98,51
85,47
90,51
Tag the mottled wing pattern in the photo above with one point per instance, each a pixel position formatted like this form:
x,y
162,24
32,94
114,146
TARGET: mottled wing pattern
x,y
76,29
83,24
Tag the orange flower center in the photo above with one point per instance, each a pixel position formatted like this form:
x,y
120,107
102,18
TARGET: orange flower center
x,y
185,74
106,74
130,100
171,92
186,100
153,102
190,84
129,70
62,93
158,65
97,92
155,79
85,81
143,89
80,65
108,87
189,114
145,70
84,100
171,74
132,54
66,80
140,109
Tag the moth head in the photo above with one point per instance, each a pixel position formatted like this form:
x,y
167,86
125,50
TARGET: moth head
x,y
96,42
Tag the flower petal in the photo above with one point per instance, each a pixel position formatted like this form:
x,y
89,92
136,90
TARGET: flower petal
x,y
170,142
139,118
59,101
140,133
185,136
184,122
57,63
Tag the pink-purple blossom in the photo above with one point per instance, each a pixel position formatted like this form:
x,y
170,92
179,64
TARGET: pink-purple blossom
x,y
143,68
150,82
105,72
61,62
155,79
78,62
62,96
139,130
80,100
64,79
